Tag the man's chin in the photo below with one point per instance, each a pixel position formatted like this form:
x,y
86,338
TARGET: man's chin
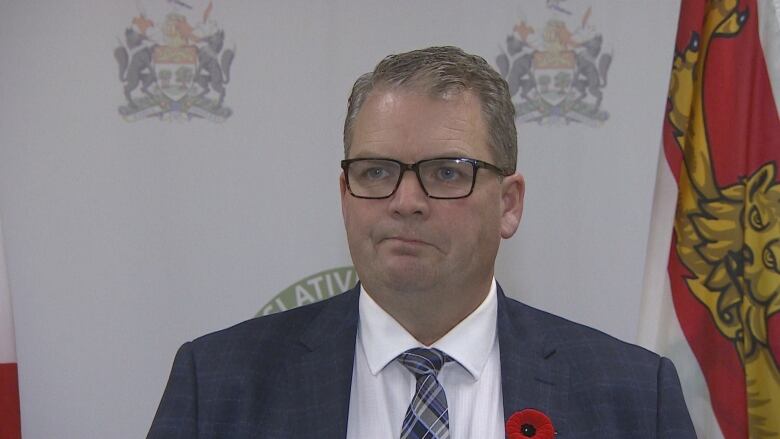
x,y
407,273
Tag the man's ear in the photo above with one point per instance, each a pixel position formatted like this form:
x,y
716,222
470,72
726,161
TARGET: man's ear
x,y
512,193
342,184
344,193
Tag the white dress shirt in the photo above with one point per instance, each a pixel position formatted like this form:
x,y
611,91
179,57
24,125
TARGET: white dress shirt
x,y
382,388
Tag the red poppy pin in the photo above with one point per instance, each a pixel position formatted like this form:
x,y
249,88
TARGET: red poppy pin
x,y
529,423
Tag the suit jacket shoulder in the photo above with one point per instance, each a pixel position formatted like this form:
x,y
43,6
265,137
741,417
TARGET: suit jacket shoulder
x,y
267,333
573,340
267,377
588,382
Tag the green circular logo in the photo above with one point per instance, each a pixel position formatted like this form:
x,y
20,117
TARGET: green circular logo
x,y
311,289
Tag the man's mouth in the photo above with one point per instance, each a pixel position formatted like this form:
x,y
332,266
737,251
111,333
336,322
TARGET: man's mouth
x,y
407,242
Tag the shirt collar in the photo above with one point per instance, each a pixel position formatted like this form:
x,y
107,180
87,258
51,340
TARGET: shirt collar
x,y
469,342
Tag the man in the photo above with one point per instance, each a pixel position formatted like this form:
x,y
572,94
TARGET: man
x,y
427,345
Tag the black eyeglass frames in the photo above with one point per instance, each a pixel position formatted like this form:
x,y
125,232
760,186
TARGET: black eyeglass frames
x,y
441,178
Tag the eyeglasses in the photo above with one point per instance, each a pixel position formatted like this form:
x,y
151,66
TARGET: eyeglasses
x,y
441,178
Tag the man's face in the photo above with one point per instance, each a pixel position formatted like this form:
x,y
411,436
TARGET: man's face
x,y
409,241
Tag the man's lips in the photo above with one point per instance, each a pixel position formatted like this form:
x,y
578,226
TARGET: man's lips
x,y
407,240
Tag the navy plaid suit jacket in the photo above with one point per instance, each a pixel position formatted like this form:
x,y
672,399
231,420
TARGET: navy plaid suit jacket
x,y
288,375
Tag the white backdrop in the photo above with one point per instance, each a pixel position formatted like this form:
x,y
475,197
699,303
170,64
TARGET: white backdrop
x,y
125,239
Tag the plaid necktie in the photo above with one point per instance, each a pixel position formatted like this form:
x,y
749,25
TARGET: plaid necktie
x,y
427,416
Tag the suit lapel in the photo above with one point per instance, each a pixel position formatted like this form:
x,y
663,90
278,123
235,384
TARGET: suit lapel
x,y
324,370
532,375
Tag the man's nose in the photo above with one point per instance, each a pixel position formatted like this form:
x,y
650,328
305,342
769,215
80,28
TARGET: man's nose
x,y
409,198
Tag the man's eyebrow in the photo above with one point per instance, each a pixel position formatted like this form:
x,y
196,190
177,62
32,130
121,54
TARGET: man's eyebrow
x,y
450,152
370,156
432,157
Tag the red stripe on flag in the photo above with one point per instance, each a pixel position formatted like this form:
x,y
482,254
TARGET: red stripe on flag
x,y
742,120
10,421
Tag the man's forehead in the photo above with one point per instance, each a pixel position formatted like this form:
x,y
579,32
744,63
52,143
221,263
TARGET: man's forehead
x,y
410,122
422,89
410,106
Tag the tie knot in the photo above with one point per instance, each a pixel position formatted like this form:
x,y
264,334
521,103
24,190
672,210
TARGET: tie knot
x,y
421,361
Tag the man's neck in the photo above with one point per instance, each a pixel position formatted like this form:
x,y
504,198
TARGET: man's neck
x,y
430,314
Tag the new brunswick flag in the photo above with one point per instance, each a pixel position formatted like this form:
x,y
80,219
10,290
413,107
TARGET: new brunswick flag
x,y
10,427
715,306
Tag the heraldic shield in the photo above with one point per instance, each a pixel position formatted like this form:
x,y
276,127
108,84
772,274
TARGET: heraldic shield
x,y
175,69
554,74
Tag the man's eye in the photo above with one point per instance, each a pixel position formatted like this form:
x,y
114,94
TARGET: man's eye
x,y
447,174
376,173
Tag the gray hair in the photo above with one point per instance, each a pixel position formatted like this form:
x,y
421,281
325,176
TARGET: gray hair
x,y
443,72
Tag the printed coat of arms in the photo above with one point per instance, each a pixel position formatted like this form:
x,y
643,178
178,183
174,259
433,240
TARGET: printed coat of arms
x,y
555,74
173,70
